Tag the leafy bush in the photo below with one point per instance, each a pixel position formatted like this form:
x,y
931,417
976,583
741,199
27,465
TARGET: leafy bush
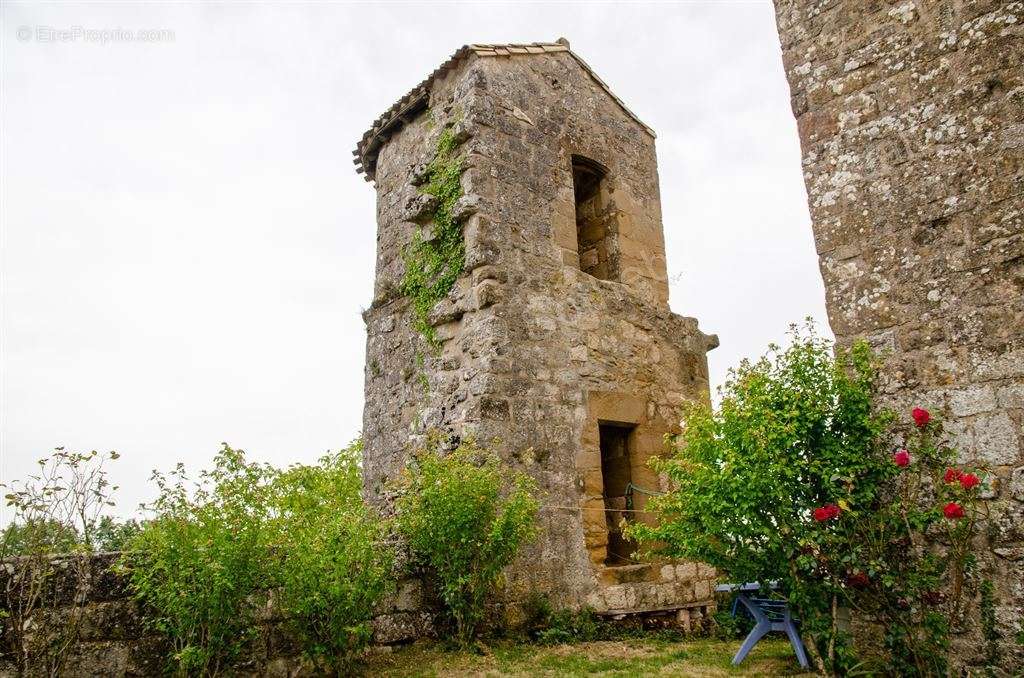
x,y
549,626
56,511
198,563
465,517
214,550
54,536
38,535
794,479
330,564
728,626
570,626
115,535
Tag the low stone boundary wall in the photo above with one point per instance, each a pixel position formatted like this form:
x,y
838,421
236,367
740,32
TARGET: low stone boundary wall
x,y
114,641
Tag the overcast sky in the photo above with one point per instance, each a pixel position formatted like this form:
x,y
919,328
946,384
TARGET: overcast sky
x,y
186,247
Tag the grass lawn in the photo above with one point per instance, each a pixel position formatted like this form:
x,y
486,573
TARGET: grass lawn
x,y
634,657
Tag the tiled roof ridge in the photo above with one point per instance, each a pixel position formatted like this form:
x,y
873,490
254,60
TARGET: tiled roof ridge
x,y
415,100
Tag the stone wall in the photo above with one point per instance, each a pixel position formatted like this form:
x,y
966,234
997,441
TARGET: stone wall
x,y
535,352
911,122
113,640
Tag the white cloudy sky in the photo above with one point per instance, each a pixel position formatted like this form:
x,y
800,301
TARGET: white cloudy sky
x,y
186,248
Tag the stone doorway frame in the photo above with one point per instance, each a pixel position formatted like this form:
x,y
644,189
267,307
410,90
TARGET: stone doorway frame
x,y
647,440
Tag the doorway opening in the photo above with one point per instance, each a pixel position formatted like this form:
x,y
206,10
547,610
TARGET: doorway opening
x,y
617,478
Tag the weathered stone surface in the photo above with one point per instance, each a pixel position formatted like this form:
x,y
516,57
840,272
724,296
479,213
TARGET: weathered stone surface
x,y
113,640
909,116
566,323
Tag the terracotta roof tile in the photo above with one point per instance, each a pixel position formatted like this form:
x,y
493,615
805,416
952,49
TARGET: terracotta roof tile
x,y
365,153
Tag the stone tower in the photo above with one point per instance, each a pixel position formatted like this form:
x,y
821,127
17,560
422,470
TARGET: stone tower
x,y
555,337
910,116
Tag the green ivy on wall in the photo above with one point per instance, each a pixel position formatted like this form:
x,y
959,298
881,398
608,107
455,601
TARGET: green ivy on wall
x,y
433,265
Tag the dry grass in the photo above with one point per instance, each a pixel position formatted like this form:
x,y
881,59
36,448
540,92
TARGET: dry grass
x,y
635,657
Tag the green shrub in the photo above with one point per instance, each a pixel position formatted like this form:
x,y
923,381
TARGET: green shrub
x,y
728,626
55,537
331,566
112,534
197,565
548,626
465,517
795,478
38,535
570,626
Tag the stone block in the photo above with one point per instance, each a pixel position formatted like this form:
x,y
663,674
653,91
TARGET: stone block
x,y
1017,483
1012,396
972,400
487,293
593,483
686,571
683,620
409,596
996,439
702,590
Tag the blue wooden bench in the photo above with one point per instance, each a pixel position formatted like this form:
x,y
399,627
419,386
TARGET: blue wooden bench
x,y
770,614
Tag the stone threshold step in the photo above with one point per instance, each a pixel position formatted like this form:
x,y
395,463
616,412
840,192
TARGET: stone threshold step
x,y
620,614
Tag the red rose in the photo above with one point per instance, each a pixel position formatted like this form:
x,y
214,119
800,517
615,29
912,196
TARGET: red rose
x,y
857,580
952,475
953,510
921,417
901,458
826,512
969,480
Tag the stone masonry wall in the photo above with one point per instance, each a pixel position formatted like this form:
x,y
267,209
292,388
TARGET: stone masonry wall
x,y
114,642
579,349
911,121
535,352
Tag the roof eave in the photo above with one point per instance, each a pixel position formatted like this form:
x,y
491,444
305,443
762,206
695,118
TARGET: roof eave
x,y
406,108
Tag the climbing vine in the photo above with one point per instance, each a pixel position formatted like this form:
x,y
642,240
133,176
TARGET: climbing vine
x,y
433,265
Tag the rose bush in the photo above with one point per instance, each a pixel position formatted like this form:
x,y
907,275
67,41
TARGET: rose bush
x,y
795,478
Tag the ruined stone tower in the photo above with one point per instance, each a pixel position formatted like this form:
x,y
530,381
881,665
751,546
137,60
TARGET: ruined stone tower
x,y
556,337
911,119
